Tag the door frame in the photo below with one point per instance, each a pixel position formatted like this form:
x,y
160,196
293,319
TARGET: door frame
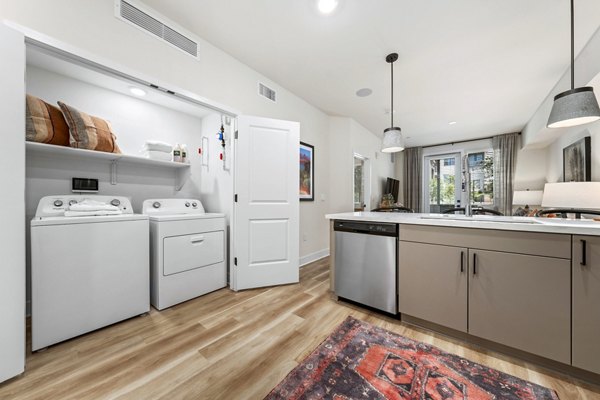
x,y
366,180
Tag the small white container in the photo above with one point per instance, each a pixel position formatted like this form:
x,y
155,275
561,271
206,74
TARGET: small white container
x,y
184,154
177,153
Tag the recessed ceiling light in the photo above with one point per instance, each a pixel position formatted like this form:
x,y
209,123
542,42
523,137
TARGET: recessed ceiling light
x,y
452,123
137,91
327,6
364,92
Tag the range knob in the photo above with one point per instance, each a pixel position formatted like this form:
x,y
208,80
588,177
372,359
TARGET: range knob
x,y
71,202
115,202
187,203
194,204
58,203
156,204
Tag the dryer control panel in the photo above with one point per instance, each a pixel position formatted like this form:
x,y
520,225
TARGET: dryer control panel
x,y
172,206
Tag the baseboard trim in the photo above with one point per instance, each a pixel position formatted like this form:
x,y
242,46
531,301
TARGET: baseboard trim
x,y
307,259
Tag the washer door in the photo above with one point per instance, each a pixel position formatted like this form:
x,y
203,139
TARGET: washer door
x,y
187,252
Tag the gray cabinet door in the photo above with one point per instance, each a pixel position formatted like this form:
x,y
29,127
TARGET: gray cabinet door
x,y
586,303
431,285
521,301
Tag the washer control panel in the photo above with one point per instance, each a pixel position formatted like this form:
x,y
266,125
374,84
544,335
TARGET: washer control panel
x,y
55,206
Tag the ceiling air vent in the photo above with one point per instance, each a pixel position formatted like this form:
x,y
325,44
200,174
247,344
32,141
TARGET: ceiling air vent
x,y
267,92
149,21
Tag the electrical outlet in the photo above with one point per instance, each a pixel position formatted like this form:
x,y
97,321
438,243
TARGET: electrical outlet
x,y
304,237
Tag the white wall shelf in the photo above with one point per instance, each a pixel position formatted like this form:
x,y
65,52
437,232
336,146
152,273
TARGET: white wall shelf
x,y
49,150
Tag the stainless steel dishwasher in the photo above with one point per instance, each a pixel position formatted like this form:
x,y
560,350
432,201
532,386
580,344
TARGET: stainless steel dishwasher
x,y
365,263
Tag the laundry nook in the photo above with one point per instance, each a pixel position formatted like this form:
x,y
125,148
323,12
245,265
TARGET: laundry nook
x,y
300,199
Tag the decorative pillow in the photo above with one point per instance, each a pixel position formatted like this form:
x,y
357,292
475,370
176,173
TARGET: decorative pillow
x,y
89,132
45,123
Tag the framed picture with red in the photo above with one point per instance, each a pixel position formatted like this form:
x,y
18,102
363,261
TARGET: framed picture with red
x,y
307,172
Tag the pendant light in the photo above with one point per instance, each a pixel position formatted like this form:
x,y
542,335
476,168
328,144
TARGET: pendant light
x,y
577,106
392,136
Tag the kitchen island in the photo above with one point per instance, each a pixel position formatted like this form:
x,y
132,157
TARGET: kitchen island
x,y
526,286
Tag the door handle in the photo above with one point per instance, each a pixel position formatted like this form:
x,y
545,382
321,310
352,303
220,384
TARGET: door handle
x,y
583,252
462,261
197,239
474,264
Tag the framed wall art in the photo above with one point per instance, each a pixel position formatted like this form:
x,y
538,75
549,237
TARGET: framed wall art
x,y
307,172
577,161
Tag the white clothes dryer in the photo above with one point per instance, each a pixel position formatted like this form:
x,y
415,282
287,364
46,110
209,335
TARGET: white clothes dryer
x,y
89,266
187,250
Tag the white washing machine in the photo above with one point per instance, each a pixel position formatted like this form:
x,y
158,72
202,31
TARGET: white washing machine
x,y
187,251
87,270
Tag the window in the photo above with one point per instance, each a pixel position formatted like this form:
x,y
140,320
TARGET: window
x,y
443,178
441,189
449,162
481,167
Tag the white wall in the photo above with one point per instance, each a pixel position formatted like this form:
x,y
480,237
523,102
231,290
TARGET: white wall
x,y
348,137
12,233
531,169
91,25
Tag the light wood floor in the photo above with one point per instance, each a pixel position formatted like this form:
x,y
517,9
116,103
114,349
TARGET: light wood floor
x,y
226,345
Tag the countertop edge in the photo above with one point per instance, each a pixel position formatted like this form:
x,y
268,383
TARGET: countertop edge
x,y
528,224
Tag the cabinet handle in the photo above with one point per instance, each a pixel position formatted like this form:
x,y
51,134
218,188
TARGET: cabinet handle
x,y
462,261
583,252
197,239
474,263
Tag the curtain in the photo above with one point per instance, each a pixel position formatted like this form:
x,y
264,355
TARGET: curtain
x,y
413,178
505,148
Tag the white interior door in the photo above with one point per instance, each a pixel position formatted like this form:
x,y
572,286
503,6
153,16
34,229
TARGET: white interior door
x,y
12,180
266,210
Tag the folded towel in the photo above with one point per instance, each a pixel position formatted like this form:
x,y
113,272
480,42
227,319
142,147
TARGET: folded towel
x,y
92,205
91,213
156,145
157,155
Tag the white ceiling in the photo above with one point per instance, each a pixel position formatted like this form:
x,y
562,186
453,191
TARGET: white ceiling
x,y
486,64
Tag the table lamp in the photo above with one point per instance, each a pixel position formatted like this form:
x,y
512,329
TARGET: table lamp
x,y
571,197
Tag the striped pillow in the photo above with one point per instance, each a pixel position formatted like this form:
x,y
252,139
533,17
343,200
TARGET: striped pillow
x,y
89,132
45,123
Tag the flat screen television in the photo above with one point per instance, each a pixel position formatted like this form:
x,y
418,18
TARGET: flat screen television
x,y
392,186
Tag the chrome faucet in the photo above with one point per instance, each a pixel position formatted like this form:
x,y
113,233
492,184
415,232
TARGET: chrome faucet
x,y
466,185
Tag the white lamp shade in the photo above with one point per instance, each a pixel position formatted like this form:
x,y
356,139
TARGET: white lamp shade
x,y
582,195
527,197
392,140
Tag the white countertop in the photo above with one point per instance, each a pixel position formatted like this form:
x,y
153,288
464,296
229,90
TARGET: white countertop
x,y
525,224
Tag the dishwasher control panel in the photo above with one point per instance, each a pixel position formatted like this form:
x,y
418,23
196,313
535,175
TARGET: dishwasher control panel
x,y
372,228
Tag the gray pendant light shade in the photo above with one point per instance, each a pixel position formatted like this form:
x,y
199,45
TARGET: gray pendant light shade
x,y
392,140
392,136
574,107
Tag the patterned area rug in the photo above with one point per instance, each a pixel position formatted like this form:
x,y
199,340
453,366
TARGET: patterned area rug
x,y
361,361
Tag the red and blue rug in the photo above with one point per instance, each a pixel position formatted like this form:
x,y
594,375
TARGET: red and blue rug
x,y
361,361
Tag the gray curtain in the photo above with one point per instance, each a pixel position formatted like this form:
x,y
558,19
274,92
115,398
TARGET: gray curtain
x,y
505,148
413,178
